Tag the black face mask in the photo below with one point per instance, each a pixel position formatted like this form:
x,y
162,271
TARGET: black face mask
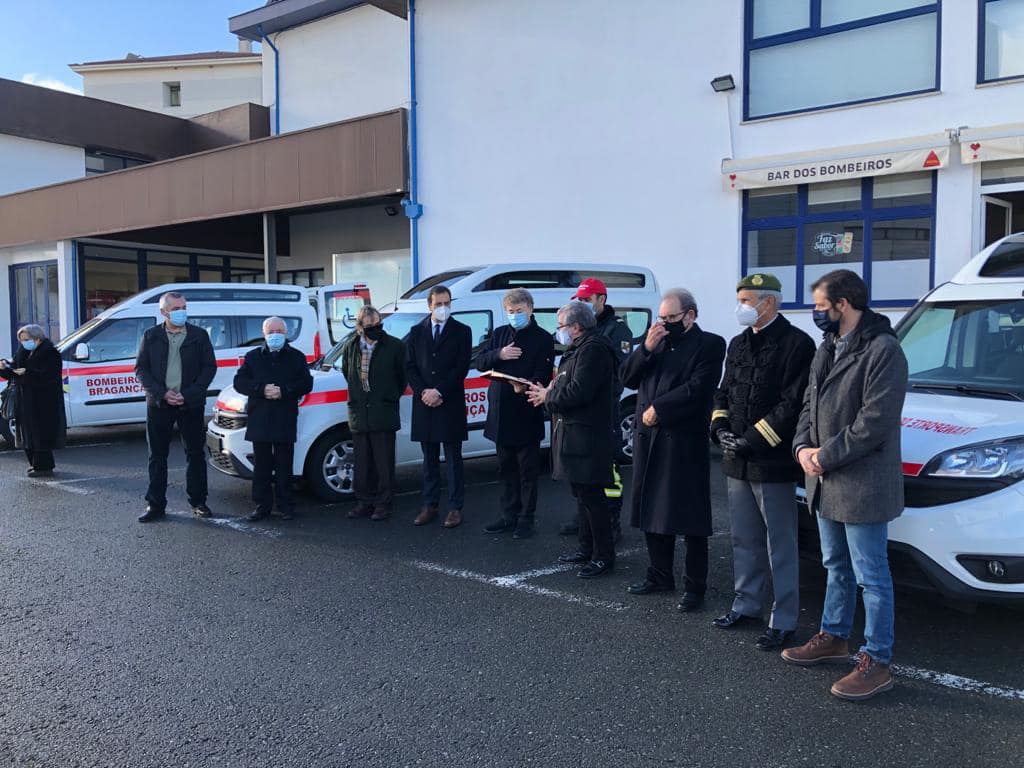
x,y
373,332
823,321
676,330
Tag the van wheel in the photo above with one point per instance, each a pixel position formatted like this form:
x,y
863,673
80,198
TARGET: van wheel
x,y
627,420
331,466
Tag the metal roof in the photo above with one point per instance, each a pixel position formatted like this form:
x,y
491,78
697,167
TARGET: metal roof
x,y
279,15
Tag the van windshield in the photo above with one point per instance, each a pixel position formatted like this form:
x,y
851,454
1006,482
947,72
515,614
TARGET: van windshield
x,y
968,348
76,335
397,324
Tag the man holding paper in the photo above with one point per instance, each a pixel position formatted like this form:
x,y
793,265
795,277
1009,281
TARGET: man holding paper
x,y
523,350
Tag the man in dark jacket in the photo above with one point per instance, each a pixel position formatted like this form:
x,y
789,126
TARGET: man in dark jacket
x,y
176,365
582,446
594,293
848,444
675,372
525,350
437,353
756,409
374,367
35,382
275,377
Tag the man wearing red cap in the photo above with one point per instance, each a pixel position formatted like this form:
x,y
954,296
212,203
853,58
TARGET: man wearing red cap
x,y
593,292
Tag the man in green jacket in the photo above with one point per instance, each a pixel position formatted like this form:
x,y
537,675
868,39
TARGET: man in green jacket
x,y
374,367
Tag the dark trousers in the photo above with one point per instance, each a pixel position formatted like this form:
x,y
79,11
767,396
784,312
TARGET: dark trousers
x,y
159,431
375,467
432,474
661,549
272,475
518,468
40,459
596,538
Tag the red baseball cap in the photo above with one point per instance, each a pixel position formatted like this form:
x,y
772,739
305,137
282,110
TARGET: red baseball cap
x,y
589,287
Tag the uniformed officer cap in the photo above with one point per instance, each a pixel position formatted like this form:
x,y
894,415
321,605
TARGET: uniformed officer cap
x,y
759,281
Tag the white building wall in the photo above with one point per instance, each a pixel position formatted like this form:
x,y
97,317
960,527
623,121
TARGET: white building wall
x,y
204,88
347,65
585,130
59,252
26,163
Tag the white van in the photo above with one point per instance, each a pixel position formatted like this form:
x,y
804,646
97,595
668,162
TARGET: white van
x,y
100,386
962,530
323,451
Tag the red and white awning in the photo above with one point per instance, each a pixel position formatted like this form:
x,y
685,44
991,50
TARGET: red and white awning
x,y
921,153
997,142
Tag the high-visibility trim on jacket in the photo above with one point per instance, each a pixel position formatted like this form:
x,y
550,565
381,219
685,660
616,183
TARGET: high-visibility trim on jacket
x,y
769,434
719,414
614,491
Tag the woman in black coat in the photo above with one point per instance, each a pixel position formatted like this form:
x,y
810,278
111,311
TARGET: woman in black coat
x,y
39,411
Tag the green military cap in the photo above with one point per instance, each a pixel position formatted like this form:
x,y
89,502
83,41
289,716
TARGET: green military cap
x,y
759,281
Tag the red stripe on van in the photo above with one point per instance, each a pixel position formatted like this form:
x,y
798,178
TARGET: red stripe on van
x,y
324,398
912,470
99,370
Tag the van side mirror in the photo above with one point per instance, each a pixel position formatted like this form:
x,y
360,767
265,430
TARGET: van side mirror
x,y
81,351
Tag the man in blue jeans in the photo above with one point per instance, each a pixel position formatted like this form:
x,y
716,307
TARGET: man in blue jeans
x,y
848,444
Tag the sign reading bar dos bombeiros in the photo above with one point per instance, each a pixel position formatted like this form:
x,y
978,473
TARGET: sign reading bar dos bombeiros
x,y
802,169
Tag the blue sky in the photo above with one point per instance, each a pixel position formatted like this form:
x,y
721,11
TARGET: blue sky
x,y
41,37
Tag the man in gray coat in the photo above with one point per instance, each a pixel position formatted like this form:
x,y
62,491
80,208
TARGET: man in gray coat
x,y
848,444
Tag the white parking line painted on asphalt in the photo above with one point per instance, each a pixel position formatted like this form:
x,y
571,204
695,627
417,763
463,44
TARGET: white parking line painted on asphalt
x,y
553,569
958,683
56,484
505,582
229,522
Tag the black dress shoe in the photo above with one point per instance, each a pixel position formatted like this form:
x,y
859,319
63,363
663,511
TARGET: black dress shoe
x,y
258,514
773,639
734,619
40,472
595,568
569,529
201,510
691,601
574,558
648,587
523,531
500,526
151,515
284,514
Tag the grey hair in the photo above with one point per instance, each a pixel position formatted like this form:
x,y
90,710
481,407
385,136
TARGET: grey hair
x,y
170,295
274,319
684,297
364,312
777,295
518,296
33,331
577,313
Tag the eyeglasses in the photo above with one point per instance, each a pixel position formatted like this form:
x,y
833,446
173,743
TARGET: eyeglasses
x,y
671,318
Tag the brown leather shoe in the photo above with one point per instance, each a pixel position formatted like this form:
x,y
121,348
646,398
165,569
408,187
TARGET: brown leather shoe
x,y
820,649
868,679
360,510
426,515
454,518
381,513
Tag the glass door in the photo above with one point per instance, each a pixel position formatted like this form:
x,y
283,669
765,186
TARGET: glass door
x,y
35,299
998,218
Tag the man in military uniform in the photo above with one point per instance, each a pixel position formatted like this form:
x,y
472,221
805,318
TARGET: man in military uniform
x,y
594,293
757,406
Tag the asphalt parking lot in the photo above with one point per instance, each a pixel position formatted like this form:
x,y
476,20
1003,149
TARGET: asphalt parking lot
x,y
330,642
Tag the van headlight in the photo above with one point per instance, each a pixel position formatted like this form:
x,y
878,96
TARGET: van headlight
x,y
1002,459
234,402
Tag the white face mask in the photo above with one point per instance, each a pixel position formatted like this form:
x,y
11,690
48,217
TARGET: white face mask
x,y
746,314
562,337
442,313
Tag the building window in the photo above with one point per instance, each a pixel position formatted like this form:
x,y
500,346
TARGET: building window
x,y
1000,40
308,278
803,55
104,162
881,228
172,94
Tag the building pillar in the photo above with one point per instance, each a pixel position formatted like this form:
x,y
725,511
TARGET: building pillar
x,y
269,248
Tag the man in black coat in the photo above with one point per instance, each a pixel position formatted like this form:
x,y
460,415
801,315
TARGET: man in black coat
x,y
756,410
582,444
437,353
176,365
35,375
594,294
525,350
275,377
675,372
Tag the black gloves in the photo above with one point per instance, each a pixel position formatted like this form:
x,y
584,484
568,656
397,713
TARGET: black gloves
x,y
738,446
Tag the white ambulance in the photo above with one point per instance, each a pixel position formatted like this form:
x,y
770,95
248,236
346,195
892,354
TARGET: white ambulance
x,y
962,529
100,386
323,451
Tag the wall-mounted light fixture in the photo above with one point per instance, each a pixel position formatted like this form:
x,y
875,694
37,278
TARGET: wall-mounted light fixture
x,y
723,83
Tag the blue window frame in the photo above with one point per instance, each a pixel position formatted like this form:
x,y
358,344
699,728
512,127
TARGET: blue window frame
x,y
1000,25
884,229
890,54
